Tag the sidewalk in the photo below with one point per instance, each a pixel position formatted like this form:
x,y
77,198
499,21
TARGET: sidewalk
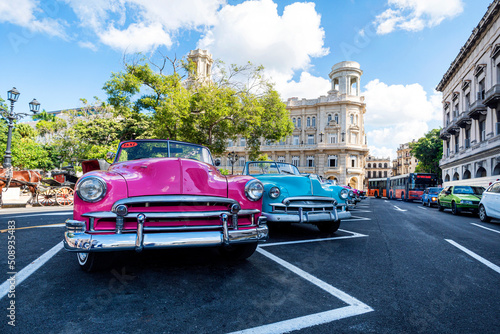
x,y
22,201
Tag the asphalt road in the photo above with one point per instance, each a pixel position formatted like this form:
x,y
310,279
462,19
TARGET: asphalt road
x,y
395,267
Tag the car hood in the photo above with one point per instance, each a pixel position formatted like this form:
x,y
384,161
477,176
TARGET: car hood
x,y
171,176
468,197
295,185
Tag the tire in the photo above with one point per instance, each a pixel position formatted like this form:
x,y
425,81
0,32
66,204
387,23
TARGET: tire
x,y
91,262
328,227
454,209
238,252
423,203
482,214
440,208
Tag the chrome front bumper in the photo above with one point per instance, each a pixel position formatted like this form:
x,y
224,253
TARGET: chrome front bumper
x,y
306,209
76,238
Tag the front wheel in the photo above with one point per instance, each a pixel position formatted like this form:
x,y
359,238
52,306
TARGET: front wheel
x,y
328,227
90,262
440,207
454,209
238,252
423,203
482,214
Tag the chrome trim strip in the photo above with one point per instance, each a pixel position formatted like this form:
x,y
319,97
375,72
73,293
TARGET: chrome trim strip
x,y
141,218
173,199
173,215
310,198
225,235
310,217
309,206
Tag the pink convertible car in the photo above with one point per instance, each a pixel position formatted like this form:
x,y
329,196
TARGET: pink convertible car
x,y
163,194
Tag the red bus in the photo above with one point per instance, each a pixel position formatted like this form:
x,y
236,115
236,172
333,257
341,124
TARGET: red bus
x,y
378,187
410,187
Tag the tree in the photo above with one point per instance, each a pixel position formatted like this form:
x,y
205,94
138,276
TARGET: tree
x,y
238,102
429,151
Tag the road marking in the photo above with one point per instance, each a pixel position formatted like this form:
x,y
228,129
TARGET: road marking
x,y
354,218
399,209
421,208
475,256
486,228
358,210
37,226
386,201
355,307
30,269
63,213
354,235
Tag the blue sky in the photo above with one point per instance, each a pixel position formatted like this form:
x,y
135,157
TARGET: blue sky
x,y
61,51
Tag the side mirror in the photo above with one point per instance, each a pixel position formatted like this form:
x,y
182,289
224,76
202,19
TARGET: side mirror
x,y
448,192
217,162
110,156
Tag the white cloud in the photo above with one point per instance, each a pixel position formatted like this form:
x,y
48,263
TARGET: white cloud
x,y
397,114
382,152
309,86
27,14
88,45
254,31
142,25
415,15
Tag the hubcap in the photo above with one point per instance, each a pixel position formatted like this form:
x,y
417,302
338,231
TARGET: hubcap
x,y
82,257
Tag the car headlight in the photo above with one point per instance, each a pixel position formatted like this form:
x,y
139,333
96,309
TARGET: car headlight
x,y
466,202
91,189
344,193
274,192
254,190
434,199
351,193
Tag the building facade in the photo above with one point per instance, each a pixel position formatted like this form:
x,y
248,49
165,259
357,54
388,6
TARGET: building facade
x,y
471,110
378,167
405,162
329,136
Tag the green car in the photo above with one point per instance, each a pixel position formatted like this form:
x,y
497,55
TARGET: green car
x,y
460,198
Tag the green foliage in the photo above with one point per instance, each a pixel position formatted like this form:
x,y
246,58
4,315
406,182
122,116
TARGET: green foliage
x,y
429,151
224,171
44,116
26,131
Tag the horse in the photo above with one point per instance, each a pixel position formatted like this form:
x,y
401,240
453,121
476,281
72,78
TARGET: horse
x,y
20,178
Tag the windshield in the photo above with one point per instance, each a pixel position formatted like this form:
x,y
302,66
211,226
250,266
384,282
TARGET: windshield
x,y
144,149
435,190
271,167
468,190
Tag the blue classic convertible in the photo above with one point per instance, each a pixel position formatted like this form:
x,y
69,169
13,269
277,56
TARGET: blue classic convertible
x,y
290,197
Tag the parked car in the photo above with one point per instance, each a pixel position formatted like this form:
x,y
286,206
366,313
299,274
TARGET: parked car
x,y
344,203
356,194
489,207
430,196
163,194
290,197
460,198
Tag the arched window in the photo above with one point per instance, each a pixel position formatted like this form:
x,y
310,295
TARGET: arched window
x,y
336,84
314,122
299,123
329,117
337,118
369,174
380,165
295,161
456,177
352,119
385,165
369,165
281,158
294,122
354,86
308,122
496,170
466,175
354,161
447,178
481,172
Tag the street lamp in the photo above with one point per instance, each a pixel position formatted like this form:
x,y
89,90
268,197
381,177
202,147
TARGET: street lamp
x,y
343,136
321,137
233,157
13,96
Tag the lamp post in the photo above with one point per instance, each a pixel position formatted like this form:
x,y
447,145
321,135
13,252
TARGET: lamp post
x,y
233,157
321,137
10,116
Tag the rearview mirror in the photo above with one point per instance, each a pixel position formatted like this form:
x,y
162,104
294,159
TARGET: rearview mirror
x,y
110,156
217,162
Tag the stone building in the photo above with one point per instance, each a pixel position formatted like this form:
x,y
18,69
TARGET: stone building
x,y
471,111
405,162
378,167
329,136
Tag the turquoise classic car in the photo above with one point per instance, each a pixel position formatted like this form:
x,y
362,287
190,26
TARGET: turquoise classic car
x,y
460,198
290,197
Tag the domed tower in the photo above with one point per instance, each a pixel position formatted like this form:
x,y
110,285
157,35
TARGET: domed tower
x,y
345,77
203,62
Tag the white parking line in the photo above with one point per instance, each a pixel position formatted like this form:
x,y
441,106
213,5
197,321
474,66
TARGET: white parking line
x,y
358,210
421,208
355,307
354,235
30,269
486,228
399,209
475,256
353,218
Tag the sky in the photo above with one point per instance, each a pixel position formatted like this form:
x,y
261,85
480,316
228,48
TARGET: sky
x,y
59,51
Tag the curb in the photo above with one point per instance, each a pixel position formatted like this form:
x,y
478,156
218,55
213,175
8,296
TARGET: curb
x,y
13,205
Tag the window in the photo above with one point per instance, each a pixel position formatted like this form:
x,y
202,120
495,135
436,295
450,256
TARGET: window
x,y
337,118
230,143
299,123
241,161
354,86
385,173
295,161
332,161
385,165
467,138
369,165
369,174
482,130
354,138
352,119
467,102
243,141
329,117
310,161
296,140
308,122
379,173
281,158
336,84
356,120
310,139
313,122
332,139
354,161
294,120
480,90
380,165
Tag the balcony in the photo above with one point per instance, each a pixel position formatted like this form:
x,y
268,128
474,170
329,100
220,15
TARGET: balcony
x,y
478,108
492,97
463,120
444,135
